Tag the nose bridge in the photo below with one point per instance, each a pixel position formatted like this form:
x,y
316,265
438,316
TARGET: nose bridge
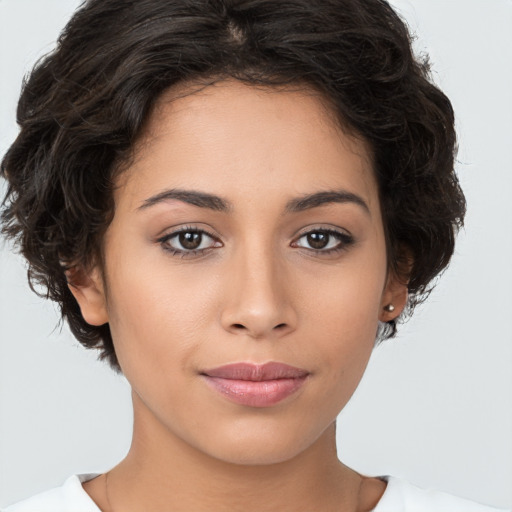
x,y
258,302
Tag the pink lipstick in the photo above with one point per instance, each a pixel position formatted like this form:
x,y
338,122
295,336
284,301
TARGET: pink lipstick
x,y
256,385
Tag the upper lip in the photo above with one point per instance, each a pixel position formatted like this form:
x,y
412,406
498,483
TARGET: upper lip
x,y
256,372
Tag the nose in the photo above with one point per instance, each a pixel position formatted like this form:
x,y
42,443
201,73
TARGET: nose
x,y
258,296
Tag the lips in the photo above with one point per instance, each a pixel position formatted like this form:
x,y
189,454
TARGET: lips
x,y
256,385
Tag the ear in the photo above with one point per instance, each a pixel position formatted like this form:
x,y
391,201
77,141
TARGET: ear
x,y
88,289
395,294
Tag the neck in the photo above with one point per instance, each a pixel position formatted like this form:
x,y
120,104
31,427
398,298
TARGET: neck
x,y
162,472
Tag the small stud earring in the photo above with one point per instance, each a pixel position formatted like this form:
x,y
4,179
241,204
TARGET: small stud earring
x,y
389,308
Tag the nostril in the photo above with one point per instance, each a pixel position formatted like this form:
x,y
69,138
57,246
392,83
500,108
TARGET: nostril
x,y
239,326
280,326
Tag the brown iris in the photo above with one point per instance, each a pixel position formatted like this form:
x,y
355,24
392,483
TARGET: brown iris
x,y
318,240
190,240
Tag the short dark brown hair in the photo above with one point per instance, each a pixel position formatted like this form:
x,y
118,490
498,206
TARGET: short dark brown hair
x,y
84,106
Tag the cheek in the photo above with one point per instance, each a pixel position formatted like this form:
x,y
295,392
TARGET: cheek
x,y
153,315
341,354
342,309
154,326
344,302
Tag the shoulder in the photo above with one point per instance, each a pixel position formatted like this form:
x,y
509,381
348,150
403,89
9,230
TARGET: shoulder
x,y
70,497
402,496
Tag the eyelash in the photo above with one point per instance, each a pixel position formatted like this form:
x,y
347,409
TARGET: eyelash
x,y
345,241
185,253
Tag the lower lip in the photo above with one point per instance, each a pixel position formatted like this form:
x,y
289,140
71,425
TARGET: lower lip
x,y
255,393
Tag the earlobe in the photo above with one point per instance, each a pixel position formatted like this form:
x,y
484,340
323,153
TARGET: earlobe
x,y
89,292
394,299
396,292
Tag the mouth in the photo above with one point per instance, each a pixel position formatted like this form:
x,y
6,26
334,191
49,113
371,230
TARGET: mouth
x,y
256,385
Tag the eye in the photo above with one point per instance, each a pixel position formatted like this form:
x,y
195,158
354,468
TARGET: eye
x,y
188,241
324,240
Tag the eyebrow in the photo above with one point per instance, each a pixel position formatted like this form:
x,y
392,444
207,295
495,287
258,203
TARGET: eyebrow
x,y
218,204
309,201
193,197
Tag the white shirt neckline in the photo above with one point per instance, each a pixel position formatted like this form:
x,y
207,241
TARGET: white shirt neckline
x,y
75,482
399,496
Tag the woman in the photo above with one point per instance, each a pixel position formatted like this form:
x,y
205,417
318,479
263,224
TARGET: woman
x,y
231,201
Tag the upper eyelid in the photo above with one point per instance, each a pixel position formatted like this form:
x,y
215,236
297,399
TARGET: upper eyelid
x,y
344,238
185,229
300,234
183,252
325,229
331,230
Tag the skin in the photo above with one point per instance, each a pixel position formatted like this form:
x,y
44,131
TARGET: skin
x,y
259,292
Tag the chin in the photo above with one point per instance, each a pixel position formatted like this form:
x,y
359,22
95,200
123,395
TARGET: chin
x,y
263,446
256,456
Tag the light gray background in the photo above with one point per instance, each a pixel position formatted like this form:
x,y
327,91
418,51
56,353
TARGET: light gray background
x,y
435,405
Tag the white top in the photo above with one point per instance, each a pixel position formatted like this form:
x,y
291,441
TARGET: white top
x,y
400,496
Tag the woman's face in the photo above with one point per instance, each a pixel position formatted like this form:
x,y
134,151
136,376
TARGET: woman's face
x,y
247,230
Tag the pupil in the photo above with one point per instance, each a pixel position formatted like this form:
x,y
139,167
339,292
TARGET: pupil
x,y
318,240
190,240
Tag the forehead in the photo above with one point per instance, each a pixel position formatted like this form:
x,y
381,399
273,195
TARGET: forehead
x,y
232,138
